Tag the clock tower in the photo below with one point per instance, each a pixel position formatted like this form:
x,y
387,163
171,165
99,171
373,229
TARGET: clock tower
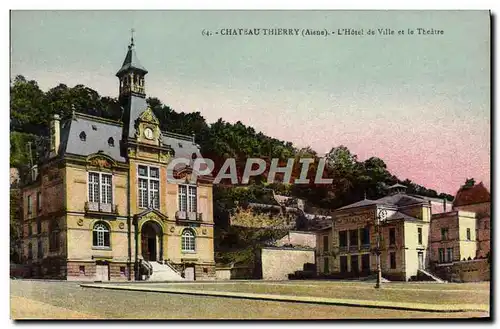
x,y
132,93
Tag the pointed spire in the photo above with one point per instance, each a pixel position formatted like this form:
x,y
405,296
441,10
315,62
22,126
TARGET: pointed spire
x,y
131,61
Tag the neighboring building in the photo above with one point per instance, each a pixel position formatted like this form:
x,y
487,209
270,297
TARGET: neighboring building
x,y
324,255
477,199
100,206
453,237
404,236
438,206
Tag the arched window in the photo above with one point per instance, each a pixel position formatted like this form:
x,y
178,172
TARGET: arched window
x,y
100,235
83,136
188,241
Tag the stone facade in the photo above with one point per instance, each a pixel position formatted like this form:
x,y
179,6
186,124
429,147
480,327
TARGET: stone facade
x,y
101,202
404,231
453,237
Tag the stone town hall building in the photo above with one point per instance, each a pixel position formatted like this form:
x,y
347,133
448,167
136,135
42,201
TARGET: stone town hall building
x,y
100,206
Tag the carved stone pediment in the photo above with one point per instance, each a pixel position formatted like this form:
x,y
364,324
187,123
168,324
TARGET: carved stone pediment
x,y
149,117
100,161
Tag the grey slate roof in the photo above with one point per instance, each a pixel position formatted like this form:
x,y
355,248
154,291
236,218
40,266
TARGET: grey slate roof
x,y
401,199
97,135
137,106
399,215
398,200
397,185
361,203
131,62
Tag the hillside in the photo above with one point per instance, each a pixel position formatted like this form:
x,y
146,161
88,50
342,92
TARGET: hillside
x,y
31,109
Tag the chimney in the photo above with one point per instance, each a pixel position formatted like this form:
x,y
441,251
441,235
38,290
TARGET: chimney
x,y
55,135
34,173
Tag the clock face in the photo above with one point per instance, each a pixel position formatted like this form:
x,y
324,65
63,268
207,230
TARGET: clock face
x,y
148,133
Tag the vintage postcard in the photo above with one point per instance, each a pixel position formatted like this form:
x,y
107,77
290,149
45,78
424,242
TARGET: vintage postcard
x,y
298,165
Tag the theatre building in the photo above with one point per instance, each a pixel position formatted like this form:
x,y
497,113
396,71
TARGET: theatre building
x,y
403,222
100,207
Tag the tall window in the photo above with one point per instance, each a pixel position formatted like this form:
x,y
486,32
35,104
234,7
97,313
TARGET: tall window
x,y
100,236
444,233
353,238
149,187
392,236
54,237
449,254
419,235
38,226
326,265
39,249
100,190
188,241
468,234
365,236
39,201
30,229
392,256
187,198
441,255
30,205
325,243
30,251
343,264
343,239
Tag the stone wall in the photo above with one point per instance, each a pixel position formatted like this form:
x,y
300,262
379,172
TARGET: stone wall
x,y
277,263
297,238
262,218
464,271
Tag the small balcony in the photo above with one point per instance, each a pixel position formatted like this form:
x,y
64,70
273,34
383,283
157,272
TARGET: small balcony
x,y
365,247
188,217
97,208
354,248
343,249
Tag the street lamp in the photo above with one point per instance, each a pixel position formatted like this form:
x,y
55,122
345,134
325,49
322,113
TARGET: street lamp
x,y
381,216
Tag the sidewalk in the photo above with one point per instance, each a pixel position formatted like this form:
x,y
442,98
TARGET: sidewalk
x,y
304,299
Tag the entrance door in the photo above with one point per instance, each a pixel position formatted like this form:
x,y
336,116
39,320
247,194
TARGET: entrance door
x,y
189,273
355,264
326,265
421,260
150,238
101,273
151,249
365,263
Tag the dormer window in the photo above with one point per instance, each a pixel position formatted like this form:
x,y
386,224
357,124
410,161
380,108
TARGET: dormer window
x,y
94,127
193,156
180,145
111,142
83,136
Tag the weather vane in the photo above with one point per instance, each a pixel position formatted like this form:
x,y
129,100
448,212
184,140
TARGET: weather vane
x,y
132,30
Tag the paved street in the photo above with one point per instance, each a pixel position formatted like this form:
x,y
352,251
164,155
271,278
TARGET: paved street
x,y
61,300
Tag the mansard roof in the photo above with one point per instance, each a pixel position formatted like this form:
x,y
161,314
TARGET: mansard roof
x,y
85,135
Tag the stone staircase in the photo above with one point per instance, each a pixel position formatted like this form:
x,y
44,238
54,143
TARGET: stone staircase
x,y
423,275
164,272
